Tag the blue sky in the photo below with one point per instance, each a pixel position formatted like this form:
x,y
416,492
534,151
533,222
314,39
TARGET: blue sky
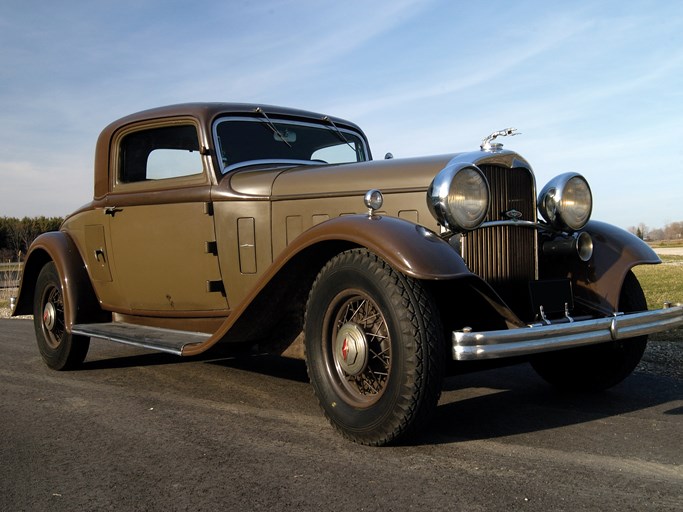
x,y
594,87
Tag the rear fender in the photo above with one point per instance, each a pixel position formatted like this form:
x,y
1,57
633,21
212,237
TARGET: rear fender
x,y
615,253
80,302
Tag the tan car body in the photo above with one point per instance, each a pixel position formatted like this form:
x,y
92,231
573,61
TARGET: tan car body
x,y
201,253
263,225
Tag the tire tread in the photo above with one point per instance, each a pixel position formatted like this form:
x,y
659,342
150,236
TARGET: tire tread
x,y
417,402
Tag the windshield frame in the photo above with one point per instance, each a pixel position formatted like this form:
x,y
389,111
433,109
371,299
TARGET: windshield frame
x,y
334,130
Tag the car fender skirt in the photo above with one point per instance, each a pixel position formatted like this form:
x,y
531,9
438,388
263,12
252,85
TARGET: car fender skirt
x,y
80,302
410,248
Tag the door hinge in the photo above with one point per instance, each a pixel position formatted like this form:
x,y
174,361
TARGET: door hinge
x,y
211,248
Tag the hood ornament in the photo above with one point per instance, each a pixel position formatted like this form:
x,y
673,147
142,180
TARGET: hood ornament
x,y
488,145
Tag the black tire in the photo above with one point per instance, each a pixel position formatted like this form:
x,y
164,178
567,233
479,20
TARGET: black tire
x,y
601,366
384,384
59,349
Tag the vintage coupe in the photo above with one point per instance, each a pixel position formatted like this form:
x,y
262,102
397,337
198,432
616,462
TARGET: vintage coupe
x,y
239,223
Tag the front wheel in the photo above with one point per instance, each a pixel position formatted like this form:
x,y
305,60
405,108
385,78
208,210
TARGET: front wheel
x,y
600,366
59,349
374,349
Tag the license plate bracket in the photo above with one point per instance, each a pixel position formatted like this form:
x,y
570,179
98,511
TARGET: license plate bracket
x,y
555,296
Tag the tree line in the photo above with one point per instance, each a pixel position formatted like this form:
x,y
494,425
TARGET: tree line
x,y
672,231
16,234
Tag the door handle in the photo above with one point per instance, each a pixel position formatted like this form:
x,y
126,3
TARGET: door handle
x,y
112,210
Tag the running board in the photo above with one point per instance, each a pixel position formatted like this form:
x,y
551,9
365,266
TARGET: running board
x,y
155,338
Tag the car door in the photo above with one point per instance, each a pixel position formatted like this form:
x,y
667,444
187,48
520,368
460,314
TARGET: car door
x,y
161,224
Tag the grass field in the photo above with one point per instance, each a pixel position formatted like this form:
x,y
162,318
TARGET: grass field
x,y
666,243
662,282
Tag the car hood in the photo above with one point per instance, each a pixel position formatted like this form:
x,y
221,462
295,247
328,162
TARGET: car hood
x,y
390,176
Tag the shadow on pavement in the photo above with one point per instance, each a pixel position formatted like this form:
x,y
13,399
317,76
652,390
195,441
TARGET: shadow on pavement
x,y
229,356
474,406
513,400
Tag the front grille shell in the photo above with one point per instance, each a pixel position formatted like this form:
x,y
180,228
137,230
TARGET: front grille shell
x,y
505,254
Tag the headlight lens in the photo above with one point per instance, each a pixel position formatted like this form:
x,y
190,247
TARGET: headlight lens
x,y
566,202
458,197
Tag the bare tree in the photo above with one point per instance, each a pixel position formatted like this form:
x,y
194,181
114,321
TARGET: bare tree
x,y
656,235
673,231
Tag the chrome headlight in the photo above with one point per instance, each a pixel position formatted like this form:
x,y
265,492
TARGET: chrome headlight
x,y
566,202
458,197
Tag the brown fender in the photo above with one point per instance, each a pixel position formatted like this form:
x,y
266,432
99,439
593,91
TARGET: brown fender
x,y
80,302
615,252
410,248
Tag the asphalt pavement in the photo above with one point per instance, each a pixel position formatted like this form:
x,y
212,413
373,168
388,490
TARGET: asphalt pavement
x,y
136,430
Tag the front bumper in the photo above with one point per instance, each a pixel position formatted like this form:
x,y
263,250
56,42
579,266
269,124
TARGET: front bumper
x,y
469,345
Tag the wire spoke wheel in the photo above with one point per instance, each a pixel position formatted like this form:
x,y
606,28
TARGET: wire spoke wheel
x,y
53,316
59,348
361,348
374,349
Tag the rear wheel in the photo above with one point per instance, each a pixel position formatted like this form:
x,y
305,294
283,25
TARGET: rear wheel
x,y
374,349
59,349
601,366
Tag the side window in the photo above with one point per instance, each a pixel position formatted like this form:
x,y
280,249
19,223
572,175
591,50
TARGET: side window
x,y
159,153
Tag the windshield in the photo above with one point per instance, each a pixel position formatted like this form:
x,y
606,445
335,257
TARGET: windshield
x,y
243,141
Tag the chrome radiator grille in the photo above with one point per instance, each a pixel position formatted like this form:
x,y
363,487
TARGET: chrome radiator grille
x,y
505,254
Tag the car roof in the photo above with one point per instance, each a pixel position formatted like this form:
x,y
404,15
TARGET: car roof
x,y
209,111
205,113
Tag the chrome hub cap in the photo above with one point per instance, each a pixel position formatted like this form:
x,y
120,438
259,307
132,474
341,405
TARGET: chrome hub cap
x,y
351,349
49,316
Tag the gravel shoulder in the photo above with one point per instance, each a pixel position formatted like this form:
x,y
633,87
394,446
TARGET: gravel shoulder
x,y
6,313
664,355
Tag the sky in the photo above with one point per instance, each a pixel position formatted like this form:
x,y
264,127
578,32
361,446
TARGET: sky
x,y
593,86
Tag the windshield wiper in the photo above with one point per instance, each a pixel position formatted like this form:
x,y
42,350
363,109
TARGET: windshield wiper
x,y
339,133
259,110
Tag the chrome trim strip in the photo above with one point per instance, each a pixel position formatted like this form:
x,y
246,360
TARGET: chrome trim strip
x,y
469,345
349,193
275,162
516,223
